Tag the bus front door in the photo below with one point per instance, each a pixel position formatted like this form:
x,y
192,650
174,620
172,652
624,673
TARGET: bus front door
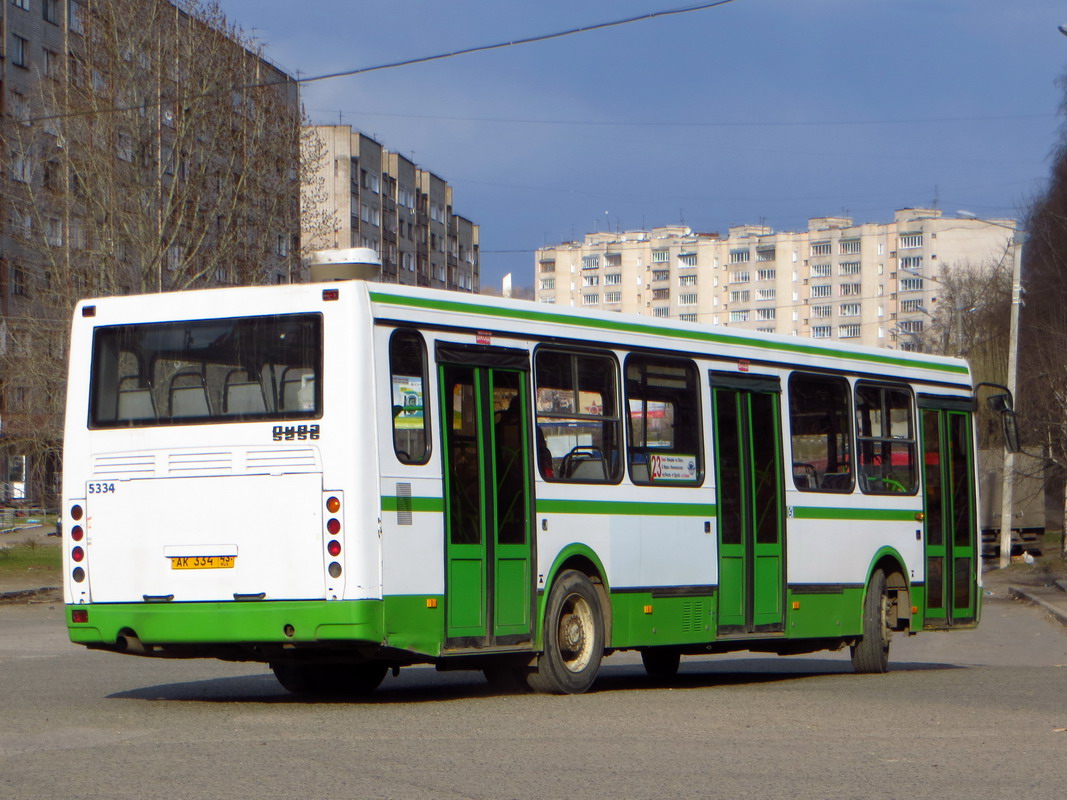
x,y
751,504
488,499
950,527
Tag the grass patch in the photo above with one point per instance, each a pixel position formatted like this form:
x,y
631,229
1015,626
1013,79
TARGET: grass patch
x,y
43,562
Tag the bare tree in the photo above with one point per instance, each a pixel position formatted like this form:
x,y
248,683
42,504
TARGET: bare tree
x,y
163,153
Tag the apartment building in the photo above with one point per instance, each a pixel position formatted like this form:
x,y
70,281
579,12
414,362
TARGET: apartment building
x,y
141,149
873,283
382,200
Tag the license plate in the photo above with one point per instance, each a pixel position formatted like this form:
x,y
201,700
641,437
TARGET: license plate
x,y
202,562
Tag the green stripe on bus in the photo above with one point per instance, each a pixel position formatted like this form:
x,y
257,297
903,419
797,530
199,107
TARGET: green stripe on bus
x,y
861,514
622,508
695,335
423,504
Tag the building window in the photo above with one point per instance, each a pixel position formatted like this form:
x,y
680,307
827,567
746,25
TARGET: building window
x,y
821,332
548,283
910,241
849,289
911,285
911,326
886,439
613,259
850,309
821,270
661,294
911,306
687,259
821,433
590,299
18,51
687,280
820,248
591,280
661,256
765,314
766,294
661,274
821,290
23,4
18,281
663,400
849,247
740,256
848,331
765,254
739,277
613,279
612,297
74,16
689,299
766,274
591,262
911,262
740,296
739,316
822,311
548,266
687,317
849,268
661,311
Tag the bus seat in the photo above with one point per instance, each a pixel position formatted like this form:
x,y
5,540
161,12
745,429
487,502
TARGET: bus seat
x,y
588,469
188,400
135,401
242,396
298,389
639,472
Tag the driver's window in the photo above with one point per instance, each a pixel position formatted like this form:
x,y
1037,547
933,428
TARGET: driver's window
x,y
578,424
885,434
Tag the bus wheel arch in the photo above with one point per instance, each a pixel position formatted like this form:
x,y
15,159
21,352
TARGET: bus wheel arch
x,y
579,559
886,608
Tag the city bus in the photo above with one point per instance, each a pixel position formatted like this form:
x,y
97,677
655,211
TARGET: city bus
x,y
340,479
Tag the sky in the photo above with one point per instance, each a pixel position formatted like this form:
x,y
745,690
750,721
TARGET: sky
x,y
754,112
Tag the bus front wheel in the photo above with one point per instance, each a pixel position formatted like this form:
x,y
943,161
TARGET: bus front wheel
x,y
573,637
871,653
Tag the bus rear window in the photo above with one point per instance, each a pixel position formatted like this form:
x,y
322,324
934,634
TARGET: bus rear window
x,y
216,370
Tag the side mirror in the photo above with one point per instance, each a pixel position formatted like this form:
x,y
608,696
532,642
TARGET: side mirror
x,y
1010,426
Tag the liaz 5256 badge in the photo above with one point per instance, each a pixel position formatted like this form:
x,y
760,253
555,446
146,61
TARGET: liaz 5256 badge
x,y
295,433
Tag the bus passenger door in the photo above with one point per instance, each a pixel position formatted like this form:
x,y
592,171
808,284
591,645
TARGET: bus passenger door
x,y
751,503
949,517
488,497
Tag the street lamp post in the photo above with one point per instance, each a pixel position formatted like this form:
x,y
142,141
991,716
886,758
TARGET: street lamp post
x,y
1007,494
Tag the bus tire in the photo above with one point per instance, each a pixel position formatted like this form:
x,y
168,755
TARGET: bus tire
x,y
661,662
573,637
330,680
871,653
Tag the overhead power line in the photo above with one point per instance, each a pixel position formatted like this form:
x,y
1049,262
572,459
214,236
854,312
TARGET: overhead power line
x,y
391,65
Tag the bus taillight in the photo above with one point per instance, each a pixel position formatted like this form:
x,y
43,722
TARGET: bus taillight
x,y
77,554
333,526
76,513
79,615
334,548
77,533
333,505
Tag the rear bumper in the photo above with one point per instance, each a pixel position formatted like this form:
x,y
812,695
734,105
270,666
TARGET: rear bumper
x,y
277,623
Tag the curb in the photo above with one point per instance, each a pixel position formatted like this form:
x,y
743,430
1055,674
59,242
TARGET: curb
x,y
1056,611
26,594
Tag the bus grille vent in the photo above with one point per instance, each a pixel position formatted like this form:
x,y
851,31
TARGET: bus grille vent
x,y
403,504
124,465
294,459
200,463
693,615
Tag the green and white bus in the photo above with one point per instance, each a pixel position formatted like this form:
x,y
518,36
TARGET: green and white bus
x,y
342,479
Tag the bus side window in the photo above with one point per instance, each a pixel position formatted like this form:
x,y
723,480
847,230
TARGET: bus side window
x,y
407,369
663,398
821,433
886,437
578,416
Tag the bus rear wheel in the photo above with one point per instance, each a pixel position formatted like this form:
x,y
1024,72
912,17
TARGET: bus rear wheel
x,y
573,637
871,653
330,680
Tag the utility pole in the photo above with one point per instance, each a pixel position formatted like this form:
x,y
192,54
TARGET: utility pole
x,y
1008,486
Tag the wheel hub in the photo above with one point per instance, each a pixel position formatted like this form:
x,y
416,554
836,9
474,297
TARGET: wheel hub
x,y
571,633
